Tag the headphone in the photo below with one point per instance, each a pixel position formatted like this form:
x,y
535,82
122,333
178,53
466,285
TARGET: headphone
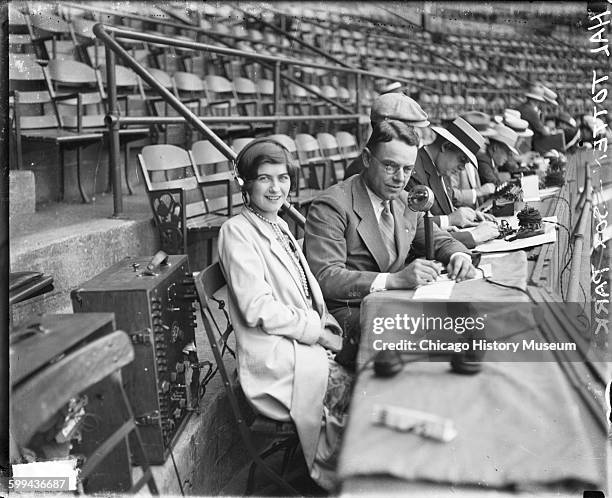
x,y
288,159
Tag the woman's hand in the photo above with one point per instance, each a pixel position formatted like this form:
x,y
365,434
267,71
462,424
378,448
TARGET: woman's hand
x,y
330,341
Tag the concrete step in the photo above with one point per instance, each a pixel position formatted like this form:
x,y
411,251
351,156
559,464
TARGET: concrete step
x,y
75,242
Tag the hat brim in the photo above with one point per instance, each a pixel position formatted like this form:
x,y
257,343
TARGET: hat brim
x,y
453,139
510,147
525,133
551,101
489,132
416,124
536,97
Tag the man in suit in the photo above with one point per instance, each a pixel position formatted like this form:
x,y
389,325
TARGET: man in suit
x,y
468,190
531,112
454,146
360,232
501,148
391,105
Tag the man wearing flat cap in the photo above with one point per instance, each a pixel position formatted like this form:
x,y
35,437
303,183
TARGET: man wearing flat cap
x,y
454,146
392,106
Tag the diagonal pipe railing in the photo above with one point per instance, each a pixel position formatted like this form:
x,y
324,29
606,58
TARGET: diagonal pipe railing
x,y
113,121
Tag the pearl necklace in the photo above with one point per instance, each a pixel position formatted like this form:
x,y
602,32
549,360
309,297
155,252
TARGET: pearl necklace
x,y
290,249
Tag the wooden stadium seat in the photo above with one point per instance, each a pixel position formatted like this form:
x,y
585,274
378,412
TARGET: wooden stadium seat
x,y
261,436
331,150
347,144
75,88
248,104
221,100
240,143
179,204
322,173
305,191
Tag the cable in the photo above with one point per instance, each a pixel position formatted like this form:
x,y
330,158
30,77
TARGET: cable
x,y
178,477
487,279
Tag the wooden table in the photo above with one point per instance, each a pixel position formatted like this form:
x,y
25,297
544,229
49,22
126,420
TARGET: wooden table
x,y
520,425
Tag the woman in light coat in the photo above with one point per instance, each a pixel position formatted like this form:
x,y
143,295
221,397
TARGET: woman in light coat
x,y
285,337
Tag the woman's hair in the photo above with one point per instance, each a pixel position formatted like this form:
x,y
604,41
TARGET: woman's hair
x,y
391,129
262,151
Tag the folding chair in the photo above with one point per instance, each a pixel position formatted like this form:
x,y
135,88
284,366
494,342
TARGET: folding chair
x,y
279,436
331,150
178,202
211,165
322,173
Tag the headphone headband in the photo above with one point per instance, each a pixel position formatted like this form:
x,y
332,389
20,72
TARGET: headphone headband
x,y
239,179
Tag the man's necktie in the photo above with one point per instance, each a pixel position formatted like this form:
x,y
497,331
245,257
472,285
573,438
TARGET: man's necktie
x,y
448,196
387,230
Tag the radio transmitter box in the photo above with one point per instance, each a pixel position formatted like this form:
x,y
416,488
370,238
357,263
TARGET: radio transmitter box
x,y
153,301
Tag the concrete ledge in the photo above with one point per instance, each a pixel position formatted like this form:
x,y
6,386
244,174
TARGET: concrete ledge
x,y
22,192
75,254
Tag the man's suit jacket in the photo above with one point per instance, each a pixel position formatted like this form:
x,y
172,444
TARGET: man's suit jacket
x,y
344,247
464,187
426,173
530,114
487,172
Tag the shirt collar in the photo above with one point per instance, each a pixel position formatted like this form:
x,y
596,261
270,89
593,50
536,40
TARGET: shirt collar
x,y
377,202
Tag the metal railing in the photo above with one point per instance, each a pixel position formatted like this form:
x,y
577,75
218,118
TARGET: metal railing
x,y
114,120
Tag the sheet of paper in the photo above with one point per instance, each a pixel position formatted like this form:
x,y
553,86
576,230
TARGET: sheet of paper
x,y
435,290
531,190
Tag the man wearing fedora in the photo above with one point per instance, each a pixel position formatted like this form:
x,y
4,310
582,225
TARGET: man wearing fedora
x,y
392,106
454,146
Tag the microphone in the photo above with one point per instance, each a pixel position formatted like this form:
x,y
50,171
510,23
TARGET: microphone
x,y
421,198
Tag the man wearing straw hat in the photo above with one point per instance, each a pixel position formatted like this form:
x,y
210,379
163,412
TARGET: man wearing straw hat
x,y
468,190
530,109
454,146
501,148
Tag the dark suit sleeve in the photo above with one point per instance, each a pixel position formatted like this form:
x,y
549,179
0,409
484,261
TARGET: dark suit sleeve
x,y
325,247
487,172
464,238
531,116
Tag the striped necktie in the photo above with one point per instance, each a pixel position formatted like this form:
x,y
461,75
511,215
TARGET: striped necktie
x,y
387,230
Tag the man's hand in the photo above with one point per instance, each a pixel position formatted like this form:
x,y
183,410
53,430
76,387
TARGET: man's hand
x,y
460,267
330,341
419,272
486,190
463,217
486,230
484,216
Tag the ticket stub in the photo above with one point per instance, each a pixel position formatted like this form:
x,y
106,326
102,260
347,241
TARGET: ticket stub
x,y
421,423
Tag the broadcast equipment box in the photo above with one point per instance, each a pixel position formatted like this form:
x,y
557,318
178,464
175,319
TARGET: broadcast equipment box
x,y
90,417
153,302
